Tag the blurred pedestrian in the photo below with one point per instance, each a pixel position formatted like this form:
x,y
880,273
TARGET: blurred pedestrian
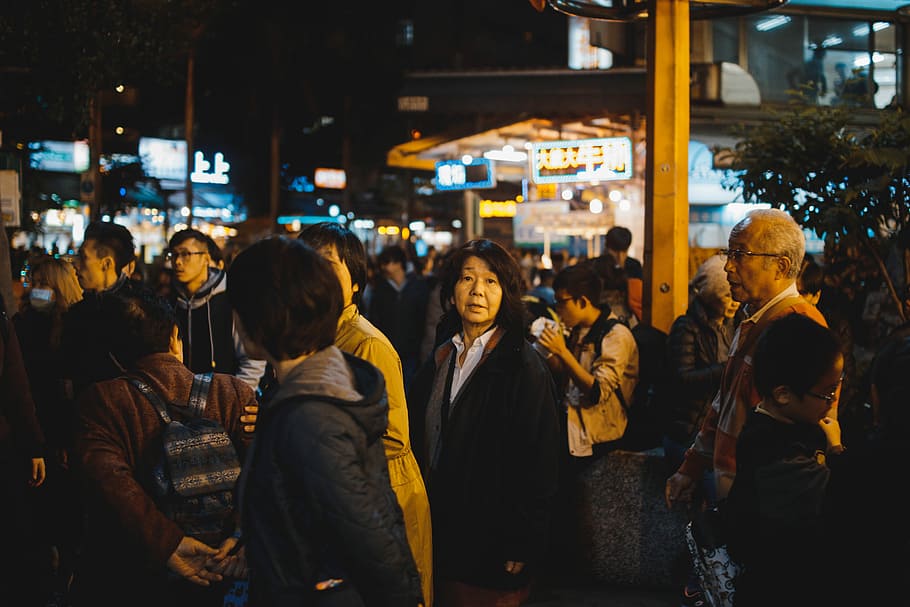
x,y
485,431
698,346
22,467
320,520
618,242
398,307
53,288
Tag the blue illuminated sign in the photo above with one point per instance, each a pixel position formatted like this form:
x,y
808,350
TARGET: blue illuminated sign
x,y
456,175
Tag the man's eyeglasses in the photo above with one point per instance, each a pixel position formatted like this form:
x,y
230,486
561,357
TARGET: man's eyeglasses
x,y
563,301
182,255
738,254
828,398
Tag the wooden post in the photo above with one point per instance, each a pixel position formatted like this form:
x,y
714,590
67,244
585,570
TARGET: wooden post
x,y
666,253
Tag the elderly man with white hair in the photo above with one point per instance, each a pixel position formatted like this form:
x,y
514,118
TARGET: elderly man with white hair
x,y
765,252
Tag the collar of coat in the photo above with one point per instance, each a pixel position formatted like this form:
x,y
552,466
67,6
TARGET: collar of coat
x,y
446,349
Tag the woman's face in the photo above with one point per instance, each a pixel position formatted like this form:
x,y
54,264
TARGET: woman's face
x,y
477,296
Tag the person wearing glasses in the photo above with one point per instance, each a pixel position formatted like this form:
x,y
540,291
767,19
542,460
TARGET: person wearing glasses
x,y
789,449
765,252
204,315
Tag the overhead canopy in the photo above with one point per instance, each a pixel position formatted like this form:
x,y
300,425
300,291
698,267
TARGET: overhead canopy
x,y
423,154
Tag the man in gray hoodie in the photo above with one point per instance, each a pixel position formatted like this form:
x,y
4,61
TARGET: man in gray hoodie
x,y
204,315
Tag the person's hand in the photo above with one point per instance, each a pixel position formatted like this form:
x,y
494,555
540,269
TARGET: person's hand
x,y
514,567
249,420
679,488
39,472
831,428
229,561
189,561
553,340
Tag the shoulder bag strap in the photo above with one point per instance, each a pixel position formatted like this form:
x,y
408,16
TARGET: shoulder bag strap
x,y
153,398
199,393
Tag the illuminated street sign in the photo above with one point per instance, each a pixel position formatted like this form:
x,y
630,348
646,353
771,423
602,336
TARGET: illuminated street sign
x,y
607,159
456,175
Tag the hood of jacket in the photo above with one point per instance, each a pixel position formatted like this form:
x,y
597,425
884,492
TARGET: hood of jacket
x,y
215,283
351,383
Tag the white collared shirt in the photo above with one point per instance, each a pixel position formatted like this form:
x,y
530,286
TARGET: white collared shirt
x,y
463,371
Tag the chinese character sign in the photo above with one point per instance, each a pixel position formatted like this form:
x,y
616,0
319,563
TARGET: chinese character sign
x,y
607,159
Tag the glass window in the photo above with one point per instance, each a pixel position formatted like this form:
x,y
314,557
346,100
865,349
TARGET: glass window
x,y
777,53
827,61
726,40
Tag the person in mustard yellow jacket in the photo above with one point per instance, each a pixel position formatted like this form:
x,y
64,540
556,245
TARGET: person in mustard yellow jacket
x,y
357,336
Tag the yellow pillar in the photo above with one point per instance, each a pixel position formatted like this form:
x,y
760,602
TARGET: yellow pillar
x,y
666,253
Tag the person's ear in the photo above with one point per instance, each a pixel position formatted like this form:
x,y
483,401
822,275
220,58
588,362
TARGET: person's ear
x,y
783,264
782,395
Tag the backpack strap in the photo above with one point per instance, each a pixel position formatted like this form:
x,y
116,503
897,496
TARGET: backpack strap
x,y
199,393
152,397
196,404
595,336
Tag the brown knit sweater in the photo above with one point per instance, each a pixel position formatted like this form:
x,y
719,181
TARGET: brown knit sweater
x,y
117,443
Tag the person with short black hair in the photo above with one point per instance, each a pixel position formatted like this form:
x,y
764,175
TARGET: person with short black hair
x,y
319,513
132,548
398,307
775,511
210,339
596,412
618,241
104,264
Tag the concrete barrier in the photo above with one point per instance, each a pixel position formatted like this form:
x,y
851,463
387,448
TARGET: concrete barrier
x,y
627,534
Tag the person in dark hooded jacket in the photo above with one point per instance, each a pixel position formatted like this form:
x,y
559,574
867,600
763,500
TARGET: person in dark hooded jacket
x,y
318,511
210,340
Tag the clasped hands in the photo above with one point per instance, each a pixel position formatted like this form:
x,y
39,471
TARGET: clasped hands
x,y
201,564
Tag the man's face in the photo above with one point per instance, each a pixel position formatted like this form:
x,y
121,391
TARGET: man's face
x,y
92,270
330,254
568,308
191,261
753,279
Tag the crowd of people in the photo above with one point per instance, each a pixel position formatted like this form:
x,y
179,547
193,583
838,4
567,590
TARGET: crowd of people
x,y
412,430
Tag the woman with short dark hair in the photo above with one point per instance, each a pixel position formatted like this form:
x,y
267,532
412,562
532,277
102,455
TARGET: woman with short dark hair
x,y
485,432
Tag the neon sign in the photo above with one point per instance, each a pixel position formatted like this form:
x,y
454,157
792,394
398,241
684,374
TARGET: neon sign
x,y
456,175
607,159
201,166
